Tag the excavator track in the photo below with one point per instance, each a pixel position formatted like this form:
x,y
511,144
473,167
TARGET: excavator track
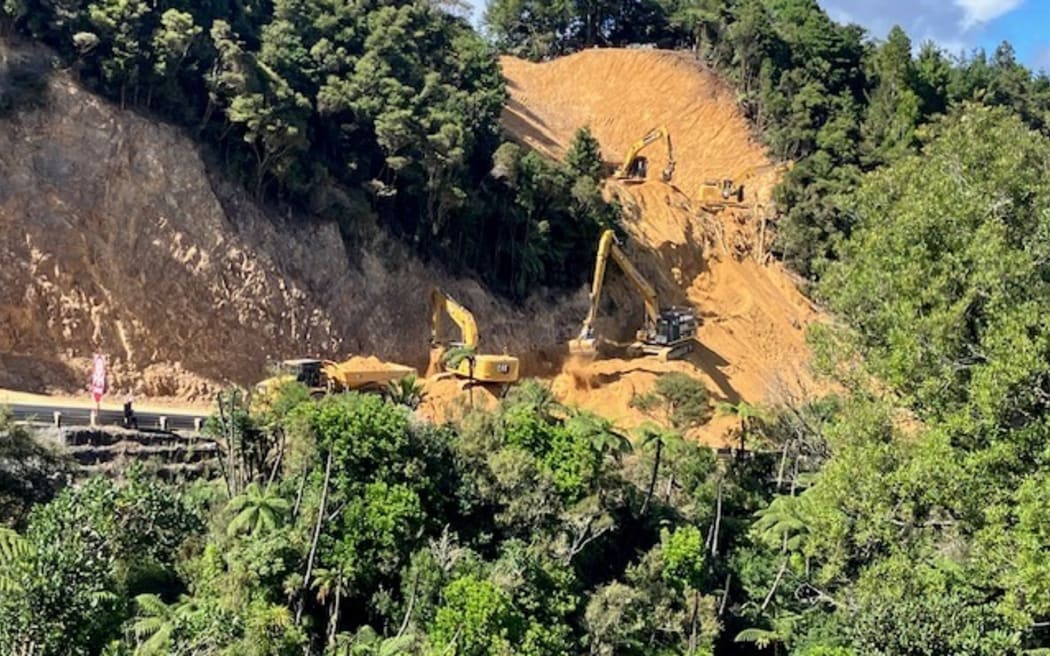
x,y
665,353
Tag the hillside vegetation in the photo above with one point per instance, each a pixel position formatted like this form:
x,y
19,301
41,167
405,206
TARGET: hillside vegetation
x,y
820,93
366,108
905,514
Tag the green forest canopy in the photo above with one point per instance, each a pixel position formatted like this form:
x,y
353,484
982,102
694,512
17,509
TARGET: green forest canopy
x,y
347,109
392,108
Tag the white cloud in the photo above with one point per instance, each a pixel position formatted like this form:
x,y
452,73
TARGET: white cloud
x,y
955,25
980,11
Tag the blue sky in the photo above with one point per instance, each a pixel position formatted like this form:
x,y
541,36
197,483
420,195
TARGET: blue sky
x,y
957,25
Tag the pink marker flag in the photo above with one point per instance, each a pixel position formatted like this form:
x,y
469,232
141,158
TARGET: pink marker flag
x,y
98,378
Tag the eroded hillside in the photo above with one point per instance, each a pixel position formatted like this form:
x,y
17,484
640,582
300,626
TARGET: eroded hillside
x,y
117,238
752,344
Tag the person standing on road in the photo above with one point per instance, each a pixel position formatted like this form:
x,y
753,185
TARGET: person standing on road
x,y
130,421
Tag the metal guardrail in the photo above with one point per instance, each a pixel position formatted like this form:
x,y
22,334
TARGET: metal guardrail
x,y
68,416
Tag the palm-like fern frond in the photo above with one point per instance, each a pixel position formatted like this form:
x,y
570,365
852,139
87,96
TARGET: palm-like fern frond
x,y
258,510
761,637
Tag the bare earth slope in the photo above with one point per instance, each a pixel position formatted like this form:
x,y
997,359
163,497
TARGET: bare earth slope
x,y
752,342
115,238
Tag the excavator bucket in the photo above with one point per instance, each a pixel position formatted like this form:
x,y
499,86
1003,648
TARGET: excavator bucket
x,y
584,348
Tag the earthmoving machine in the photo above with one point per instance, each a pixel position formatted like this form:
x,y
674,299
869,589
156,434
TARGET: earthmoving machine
x,y
635,167
716,195
501,369
668,333
326,376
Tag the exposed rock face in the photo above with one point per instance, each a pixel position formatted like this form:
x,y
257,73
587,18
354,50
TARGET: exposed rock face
x,y
115,238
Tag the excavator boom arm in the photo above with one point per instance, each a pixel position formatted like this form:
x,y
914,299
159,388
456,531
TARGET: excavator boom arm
x,y
442,303
745,175
641,285
607,247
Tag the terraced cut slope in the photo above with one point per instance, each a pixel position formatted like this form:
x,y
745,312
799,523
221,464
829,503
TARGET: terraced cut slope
x,y
752,338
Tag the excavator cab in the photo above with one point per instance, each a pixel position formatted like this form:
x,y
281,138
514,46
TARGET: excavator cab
x,y
673,335
638,169
716,195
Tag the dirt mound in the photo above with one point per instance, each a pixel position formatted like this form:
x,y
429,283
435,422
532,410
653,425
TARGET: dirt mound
x,y
621,94
752,344
369,363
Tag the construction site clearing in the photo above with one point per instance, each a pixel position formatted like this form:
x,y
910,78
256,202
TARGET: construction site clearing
x,y
695,249
750,344
695,252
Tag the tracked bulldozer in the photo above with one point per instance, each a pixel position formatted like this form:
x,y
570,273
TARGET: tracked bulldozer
x,y
718,194
668,333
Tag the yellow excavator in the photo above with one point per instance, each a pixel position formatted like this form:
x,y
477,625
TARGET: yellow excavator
x,y
719,194
668,333
635,167
326,376
501,369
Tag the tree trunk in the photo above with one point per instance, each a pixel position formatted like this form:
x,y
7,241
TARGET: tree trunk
x,y
299,493
694,622
470,365
317,536
333,616
783,462
230,470
411,605
277,459
725,597
776,583
718,520
652,479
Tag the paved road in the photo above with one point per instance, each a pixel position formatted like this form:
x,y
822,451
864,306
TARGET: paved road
x,y
75,416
